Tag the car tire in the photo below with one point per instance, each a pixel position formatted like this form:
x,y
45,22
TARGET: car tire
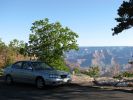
x,y
40,83
9,80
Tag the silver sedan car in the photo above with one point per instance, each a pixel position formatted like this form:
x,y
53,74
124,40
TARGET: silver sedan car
x,y
35,72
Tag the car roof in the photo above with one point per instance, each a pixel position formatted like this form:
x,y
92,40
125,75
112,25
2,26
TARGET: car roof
x,y
29,61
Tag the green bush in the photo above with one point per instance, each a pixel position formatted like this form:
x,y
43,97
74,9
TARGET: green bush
x,y
127,74
1,72
92,71
76,71
124,74
119,76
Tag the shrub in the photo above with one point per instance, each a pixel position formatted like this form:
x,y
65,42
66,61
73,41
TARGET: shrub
x,y
127,74
1,71
118,76
124,74
92,71
76,71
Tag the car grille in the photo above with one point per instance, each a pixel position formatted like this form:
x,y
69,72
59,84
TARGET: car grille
x,y
63,76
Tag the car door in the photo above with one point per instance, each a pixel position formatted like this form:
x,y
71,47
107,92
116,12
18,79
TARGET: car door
x,y
27,73
16,71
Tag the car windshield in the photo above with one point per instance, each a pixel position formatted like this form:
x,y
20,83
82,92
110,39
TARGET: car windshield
x,y
41,66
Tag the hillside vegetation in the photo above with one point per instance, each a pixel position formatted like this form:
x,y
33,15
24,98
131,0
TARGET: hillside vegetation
x,y
11,53
47,42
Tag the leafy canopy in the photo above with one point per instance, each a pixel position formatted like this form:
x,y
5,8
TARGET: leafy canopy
x,y
125,19
49,41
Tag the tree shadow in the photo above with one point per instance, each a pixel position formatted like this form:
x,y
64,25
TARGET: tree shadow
x,y
62,92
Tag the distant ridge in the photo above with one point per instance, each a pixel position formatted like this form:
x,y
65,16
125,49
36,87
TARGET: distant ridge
x,y
106,57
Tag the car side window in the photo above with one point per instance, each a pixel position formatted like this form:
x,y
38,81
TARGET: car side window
x,y
17,65
26,65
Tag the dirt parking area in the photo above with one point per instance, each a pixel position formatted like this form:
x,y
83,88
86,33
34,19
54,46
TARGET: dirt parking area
x,y
64,92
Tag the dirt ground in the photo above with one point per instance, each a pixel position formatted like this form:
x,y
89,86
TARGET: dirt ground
x,y
74,91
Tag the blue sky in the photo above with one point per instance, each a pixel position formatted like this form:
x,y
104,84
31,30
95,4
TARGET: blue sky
x,y
92,20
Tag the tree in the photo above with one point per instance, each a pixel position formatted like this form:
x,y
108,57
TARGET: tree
x,y
14,43
125,19
94,71
49,41
12,52
2,53
16,50
17,46
5,54
2,46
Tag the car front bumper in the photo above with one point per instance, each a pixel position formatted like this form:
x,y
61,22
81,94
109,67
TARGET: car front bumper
x,y
55,82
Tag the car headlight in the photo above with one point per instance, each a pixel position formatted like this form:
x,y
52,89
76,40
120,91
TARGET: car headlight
x,y
53,76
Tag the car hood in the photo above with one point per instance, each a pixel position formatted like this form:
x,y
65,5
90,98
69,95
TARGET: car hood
x,y
57,72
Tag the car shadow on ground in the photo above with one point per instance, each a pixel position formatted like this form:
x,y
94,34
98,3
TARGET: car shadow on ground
x,y
62,92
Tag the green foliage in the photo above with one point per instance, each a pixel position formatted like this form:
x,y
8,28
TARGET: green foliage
x,y
125,20
2,44
92,72
1,71
10,53
49,41
124,74
127,74
14,43
76,71
17,46
60,65
119,76
8,62
3,53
